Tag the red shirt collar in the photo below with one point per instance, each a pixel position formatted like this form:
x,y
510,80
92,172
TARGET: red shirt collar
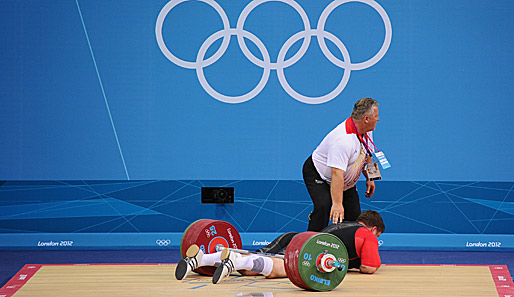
x,y
351,129
350,126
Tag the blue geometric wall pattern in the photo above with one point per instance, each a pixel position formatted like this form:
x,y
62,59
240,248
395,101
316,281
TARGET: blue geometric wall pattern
x,y
260,206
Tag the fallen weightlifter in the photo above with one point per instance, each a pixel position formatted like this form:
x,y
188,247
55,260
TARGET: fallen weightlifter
x,y
360,239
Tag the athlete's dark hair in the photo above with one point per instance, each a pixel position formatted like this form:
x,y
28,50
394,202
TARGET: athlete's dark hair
x,y
372,218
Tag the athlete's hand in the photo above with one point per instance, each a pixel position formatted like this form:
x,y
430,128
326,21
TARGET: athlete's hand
x,y
370,188
336,213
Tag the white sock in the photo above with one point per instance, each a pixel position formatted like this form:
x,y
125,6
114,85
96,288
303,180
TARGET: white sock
x,y
255,263
210,259
245,263
213,259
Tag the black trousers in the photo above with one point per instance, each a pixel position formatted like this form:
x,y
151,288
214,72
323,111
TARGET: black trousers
x,y
319,191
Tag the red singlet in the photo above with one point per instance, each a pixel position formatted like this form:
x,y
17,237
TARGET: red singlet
x,y
366,244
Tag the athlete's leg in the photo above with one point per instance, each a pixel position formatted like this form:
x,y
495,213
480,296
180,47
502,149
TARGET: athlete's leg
x,y
250,265
278,270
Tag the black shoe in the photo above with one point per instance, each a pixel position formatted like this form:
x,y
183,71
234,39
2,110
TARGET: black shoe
x,y
226,267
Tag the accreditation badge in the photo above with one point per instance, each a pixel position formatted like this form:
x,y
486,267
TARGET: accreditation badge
x,y
372,171
383,160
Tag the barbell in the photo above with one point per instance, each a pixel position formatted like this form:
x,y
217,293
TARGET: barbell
x,y
313,261
325,262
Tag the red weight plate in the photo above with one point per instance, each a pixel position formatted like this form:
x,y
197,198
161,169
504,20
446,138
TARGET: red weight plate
x,y
292,256
207,234
188,234
190,237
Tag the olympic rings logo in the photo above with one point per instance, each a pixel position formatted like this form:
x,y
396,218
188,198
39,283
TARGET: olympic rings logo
x,y
163,242
281,61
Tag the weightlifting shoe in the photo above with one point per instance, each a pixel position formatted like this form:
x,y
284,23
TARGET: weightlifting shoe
x,y
228,259
190,262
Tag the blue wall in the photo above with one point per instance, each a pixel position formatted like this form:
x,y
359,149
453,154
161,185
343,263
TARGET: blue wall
x,y
444,87
260,206
87,93
117,214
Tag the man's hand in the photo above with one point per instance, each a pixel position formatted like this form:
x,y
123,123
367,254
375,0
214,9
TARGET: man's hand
x,y
336,213
370,188
368,269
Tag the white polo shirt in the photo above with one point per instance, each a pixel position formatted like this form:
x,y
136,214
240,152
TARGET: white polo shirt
x,y
341,149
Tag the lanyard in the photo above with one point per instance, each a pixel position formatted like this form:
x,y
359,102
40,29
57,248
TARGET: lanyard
x,y
380,155
362,140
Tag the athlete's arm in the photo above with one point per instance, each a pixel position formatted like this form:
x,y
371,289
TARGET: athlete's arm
x,y
367,251
336,191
